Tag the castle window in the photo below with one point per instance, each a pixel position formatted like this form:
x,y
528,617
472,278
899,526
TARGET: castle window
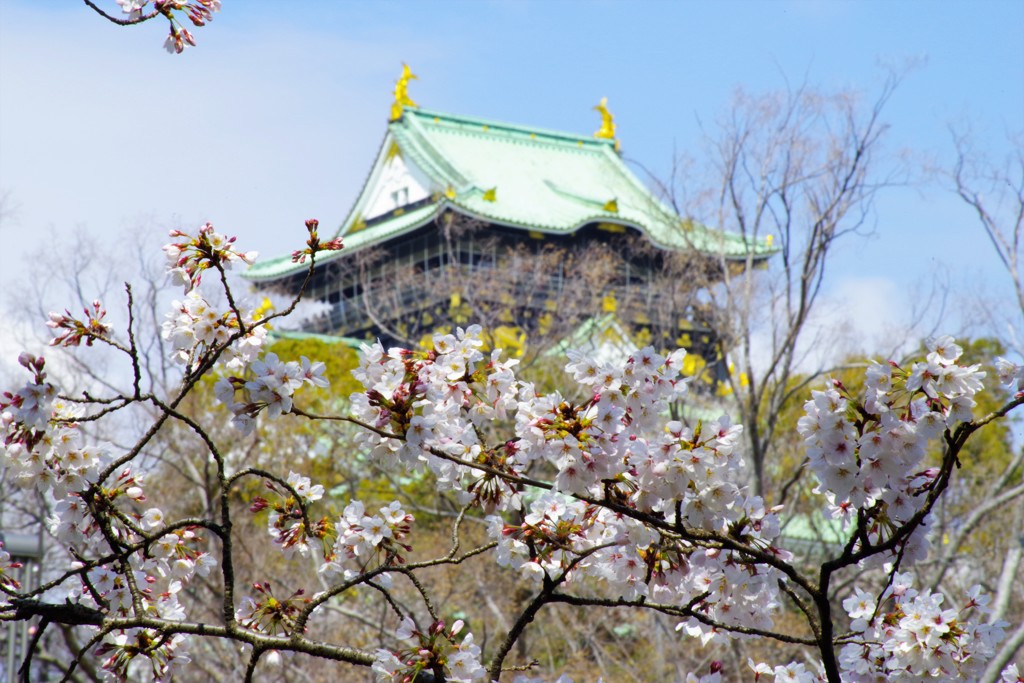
x,y
400,197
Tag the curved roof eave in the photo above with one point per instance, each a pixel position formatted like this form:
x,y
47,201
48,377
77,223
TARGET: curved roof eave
x,y
282,267
460,208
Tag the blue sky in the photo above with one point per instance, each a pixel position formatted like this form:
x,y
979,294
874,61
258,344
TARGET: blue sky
x,y
277,115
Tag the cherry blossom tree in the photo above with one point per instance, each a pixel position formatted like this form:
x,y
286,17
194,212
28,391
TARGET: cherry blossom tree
x,y
595,503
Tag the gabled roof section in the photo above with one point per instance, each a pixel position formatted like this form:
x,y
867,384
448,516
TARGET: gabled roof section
x,y
515,176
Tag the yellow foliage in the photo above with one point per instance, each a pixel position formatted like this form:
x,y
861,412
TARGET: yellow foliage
x,y
643,337
544,324
511,339
265,308
693,365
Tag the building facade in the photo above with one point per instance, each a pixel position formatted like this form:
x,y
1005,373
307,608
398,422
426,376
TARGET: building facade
x,y
534,234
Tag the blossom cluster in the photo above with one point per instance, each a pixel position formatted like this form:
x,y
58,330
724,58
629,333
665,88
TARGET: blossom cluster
x,y
914,637
313,244
362,538
713,676
42,445
354,536
74,331
794,672
199,12
196,329
866,452
428,408
6,565
560,535
29,409
142,654
268,614
193,255
1011,374
96,507
287,521
437,647
352,544
269,390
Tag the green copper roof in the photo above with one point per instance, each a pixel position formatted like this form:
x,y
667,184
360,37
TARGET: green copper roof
x,y
394,225
519,177
815,528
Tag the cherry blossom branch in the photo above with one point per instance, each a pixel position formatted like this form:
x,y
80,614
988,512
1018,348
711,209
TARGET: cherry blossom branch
x,y
527,615
130,21
133,349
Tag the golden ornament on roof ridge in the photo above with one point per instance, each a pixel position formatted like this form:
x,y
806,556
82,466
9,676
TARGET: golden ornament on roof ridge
x,y
607,129
402,98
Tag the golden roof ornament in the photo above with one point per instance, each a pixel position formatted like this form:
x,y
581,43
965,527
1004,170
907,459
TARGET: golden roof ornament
x,y
402,98
607,129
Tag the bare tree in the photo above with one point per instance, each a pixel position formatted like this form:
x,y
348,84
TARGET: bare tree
x,y
994,191
800,170
8,208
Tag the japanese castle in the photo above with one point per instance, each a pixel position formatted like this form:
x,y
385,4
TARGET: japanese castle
x,y
463,220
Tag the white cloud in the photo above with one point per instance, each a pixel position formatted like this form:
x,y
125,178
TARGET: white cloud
x,y
858,317
865,315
